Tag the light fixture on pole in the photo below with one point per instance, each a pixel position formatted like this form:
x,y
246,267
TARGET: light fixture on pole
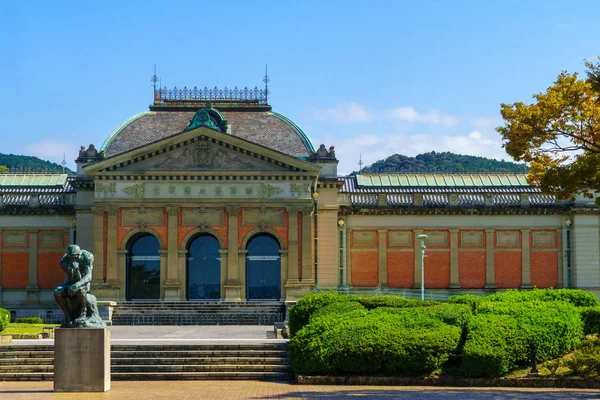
x,y
568,223
341,223
422,238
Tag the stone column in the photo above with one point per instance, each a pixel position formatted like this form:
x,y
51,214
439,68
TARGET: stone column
x,y
307,247
283,256
382,233
181,259
490,278
119,293
525,259
232,284
454,272
417,265
172,284
32,288
223,260
98,249
241,268
112,278
163,272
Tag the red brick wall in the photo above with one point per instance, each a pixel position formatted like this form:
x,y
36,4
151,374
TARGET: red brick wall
x,y
507,270
15,270
471,269
437,269
50,273
365,269
400,269
182,231
544,264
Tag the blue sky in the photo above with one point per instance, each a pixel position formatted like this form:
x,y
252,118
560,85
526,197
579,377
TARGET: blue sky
x,y
375,78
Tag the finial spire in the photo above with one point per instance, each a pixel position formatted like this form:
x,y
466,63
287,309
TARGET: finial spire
x,y
63,163
360,163
154,80
266,80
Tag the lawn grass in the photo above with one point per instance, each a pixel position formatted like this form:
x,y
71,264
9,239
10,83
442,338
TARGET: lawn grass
x,y
19,329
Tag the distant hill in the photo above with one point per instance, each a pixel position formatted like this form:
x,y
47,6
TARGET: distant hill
x,y
16,163
445,162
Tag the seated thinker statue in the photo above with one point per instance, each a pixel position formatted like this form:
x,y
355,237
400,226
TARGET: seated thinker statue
x,y
72,296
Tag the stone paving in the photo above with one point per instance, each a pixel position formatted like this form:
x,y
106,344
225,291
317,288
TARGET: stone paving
x,y
234,390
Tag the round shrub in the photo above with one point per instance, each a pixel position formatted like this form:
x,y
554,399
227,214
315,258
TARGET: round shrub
x,y
372,343
470,299
591,320
337,308
372,302
29,320
4,319
299,315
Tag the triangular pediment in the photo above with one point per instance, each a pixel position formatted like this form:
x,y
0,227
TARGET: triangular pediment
x,y
202,150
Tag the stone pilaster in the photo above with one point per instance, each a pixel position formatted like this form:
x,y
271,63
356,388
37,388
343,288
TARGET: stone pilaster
x,y
292,246
454,273
382,257
559,237
283,257
181,260
525,259
32,288
233,285
1,298
417,264
98,248
490,278
112,278
307,247
224,262
172,284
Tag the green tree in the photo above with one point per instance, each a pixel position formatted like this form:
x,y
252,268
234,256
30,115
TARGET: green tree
x,y
559,134
3,168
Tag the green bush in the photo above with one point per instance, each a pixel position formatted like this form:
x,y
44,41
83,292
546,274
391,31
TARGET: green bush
x,y
452,314
591,320
337,308
502,335
470,299
4,319
372,302
299,315
578,298
29,320
372,343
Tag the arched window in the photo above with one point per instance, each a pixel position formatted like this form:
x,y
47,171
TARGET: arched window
x,y
143,268
203,268
263,268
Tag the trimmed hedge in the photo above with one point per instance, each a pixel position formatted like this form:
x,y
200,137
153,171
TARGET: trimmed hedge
x,y
591,320
503,335
451,314
29,320
299,315
4,319
337,308
469,299
372,343
578,298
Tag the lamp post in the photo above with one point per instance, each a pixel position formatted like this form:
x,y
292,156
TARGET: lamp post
x,y
422,238
341,225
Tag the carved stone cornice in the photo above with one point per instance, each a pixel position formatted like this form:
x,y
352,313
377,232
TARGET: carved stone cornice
x,y
172,210
112,210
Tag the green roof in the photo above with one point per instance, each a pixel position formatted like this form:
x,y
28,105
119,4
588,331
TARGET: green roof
x,y
441,180
33,179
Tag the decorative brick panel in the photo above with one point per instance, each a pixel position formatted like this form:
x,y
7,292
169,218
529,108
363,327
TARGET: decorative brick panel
x,y
437,269
221,230
123,231
400,269
400,239
15,270
544,269
471,269
50,273
282,231
507,270
365,269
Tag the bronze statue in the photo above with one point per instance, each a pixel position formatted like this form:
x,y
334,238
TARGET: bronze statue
x,y
72,296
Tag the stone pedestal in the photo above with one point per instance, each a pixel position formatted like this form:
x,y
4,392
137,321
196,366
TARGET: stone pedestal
x,y
82,360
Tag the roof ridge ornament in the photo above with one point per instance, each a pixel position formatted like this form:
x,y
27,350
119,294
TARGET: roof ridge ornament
x,y
209,117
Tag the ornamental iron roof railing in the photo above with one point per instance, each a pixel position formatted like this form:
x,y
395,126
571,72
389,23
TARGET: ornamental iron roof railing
x,y
257,95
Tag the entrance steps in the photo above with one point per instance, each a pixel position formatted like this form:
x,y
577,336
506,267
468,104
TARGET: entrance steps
x,y
265,361
198,313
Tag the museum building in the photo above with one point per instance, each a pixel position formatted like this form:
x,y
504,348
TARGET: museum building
x,y
210,195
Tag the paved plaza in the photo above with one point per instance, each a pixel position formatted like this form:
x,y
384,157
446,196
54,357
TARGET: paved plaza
x,y
233,390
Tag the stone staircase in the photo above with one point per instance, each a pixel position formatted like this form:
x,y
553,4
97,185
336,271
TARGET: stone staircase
x,y
198,313
266,361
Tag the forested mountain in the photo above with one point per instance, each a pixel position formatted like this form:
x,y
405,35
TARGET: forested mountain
x,y
16,163
445,162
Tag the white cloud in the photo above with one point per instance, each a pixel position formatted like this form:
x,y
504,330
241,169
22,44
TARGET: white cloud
x,y
346,113
53,151
486,123
409,114
376,147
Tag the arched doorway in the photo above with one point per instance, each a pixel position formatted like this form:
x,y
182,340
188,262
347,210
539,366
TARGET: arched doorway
x,y
203,269
143,268
263,268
